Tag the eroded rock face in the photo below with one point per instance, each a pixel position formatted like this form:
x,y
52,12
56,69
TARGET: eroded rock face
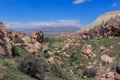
x,y
87,51
38,36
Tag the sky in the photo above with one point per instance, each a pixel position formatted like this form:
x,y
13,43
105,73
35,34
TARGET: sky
x,y
40,13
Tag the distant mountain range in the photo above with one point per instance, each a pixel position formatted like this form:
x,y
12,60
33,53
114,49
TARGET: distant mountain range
x,y
52,30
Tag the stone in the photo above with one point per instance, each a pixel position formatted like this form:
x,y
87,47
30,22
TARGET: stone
x,y
117,76
51,60
106,58
87,51
102,48
2,51
66,46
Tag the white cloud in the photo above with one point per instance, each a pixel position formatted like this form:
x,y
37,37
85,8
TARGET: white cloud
x,y
114,4
80,1
31,25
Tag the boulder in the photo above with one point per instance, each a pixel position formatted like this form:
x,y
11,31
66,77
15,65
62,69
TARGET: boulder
x,y
66,46
51,60
2,51
65,55
37,45
38,36
26,39
87,51
117,76
102,48
8,48
106,58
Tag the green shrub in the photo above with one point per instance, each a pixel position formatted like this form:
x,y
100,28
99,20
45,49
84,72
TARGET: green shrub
x,y
58,72
90,73
47,39
31,66
18,40
46,55
15,51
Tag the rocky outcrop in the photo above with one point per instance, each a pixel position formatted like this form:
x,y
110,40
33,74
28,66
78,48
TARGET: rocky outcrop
x,y
31,46
102,18
38,36
108,29
105,26
7,38
87,51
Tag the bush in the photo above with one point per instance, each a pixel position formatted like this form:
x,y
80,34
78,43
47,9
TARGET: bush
x,y
47,39
18,40
46,55
56,71
118,67
15,51
31,66
89,73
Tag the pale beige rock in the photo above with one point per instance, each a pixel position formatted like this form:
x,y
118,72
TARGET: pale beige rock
x,y
87,51
66,46
117,76
2,51
51,60
102,48
106,58
37,45
26,39
65,55
50,53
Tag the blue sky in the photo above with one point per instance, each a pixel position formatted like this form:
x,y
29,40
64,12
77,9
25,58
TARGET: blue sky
x,y
53,12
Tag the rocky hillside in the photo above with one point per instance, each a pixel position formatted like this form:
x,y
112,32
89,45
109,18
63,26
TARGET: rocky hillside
x,y
102,18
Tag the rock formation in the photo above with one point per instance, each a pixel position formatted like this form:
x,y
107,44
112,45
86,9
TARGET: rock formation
x,y
87,51
38,36
8,38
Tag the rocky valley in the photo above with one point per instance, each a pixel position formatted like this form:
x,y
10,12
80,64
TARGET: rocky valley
x,y
91,53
